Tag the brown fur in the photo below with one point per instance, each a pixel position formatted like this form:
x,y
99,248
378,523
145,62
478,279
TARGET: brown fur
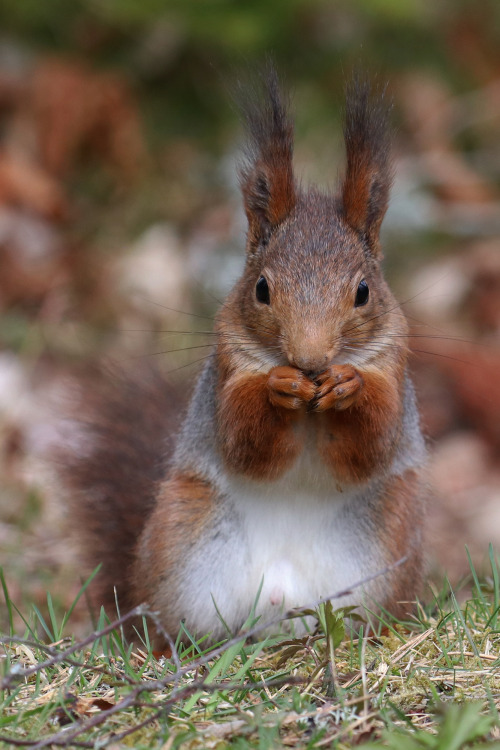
x,y
183,509
368,177
400,531
257,438
358,441
308,362
113,484
266,177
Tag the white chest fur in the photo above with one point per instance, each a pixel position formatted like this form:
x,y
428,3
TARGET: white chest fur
x,y
300,538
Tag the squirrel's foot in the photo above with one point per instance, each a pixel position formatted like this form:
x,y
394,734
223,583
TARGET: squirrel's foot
x,y
289,388
338,388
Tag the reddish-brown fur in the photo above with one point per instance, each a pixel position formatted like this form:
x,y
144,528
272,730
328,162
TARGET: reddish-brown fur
x,y
309,363
112,485
256,433
367,181
356,432
357,440
183,509
400,531
267,180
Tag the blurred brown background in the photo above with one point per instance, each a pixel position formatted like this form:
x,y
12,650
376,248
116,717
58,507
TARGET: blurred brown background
x,y
119,204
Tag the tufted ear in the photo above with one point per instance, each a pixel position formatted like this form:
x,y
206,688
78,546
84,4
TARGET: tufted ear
x,y
368,176
266,174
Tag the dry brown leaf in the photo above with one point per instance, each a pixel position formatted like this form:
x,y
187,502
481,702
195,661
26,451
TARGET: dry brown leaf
x,y
429,108
77,110
23,183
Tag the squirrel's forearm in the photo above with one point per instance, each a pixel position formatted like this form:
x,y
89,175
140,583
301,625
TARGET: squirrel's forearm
x,y
255,438
360,441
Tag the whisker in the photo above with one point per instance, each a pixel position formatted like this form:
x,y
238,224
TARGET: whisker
x,y
172,309
444,356
374,349
429,336
422,323
172,331
261,329
194,362
411,350
257,329
207,291
432,296
223,304
246,345
398,304
370,320
171,351
422,291
226,338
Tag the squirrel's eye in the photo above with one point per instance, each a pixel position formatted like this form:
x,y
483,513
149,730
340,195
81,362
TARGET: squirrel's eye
x,y
262,291
362,294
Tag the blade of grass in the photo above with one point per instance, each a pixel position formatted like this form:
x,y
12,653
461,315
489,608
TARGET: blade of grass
x,y
460,618
81,592
53,619
8,602
43,623
496,586
475,578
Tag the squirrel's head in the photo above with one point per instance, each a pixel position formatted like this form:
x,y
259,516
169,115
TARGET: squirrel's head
x,y
313,291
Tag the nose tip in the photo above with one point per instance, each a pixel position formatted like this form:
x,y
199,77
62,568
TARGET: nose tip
x,y
310,365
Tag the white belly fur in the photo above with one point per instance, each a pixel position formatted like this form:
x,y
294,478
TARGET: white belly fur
x,y
300,537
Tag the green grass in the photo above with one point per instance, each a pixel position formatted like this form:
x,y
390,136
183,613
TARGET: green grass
x,y
432,683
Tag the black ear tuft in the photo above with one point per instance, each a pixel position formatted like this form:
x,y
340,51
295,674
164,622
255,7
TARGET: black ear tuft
x,y
368,177
266,174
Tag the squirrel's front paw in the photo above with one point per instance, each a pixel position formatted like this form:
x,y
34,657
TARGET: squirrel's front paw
x,y
338,388
289,388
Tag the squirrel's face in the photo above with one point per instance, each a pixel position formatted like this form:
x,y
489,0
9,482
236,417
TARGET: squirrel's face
x,y
315,295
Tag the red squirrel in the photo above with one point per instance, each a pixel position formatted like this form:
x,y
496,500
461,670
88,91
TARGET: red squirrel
x,y
299,465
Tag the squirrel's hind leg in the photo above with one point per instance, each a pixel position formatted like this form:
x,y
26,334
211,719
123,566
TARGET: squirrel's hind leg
x,y
184,510
400,523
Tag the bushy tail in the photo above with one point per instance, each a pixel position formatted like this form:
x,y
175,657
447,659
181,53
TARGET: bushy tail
x,y
124,440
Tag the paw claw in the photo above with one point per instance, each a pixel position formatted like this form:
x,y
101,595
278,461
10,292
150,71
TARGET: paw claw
x,y
289,388
339,387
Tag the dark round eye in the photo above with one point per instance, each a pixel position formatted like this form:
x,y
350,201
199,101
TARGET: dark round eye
x,y
362,294
262,291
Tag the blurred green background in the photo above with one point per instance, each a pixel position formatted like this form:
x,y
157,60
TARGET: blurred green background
x,y
119,204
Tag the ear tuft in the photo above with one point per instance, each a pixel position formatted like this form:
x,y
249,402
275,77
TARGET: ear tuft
x,y
266,174
368,177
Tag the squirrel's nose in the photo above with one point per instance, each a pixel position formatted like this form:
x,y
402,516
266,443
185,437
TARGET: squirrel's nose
x,y
310,364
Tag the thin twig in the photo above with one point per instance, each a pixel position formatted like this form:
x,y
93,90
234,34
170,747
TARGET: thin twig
x,y
67,735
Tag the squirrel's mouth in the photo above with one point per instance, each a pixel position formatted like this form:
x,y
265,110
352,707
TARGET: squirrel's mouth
x,y
265,359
